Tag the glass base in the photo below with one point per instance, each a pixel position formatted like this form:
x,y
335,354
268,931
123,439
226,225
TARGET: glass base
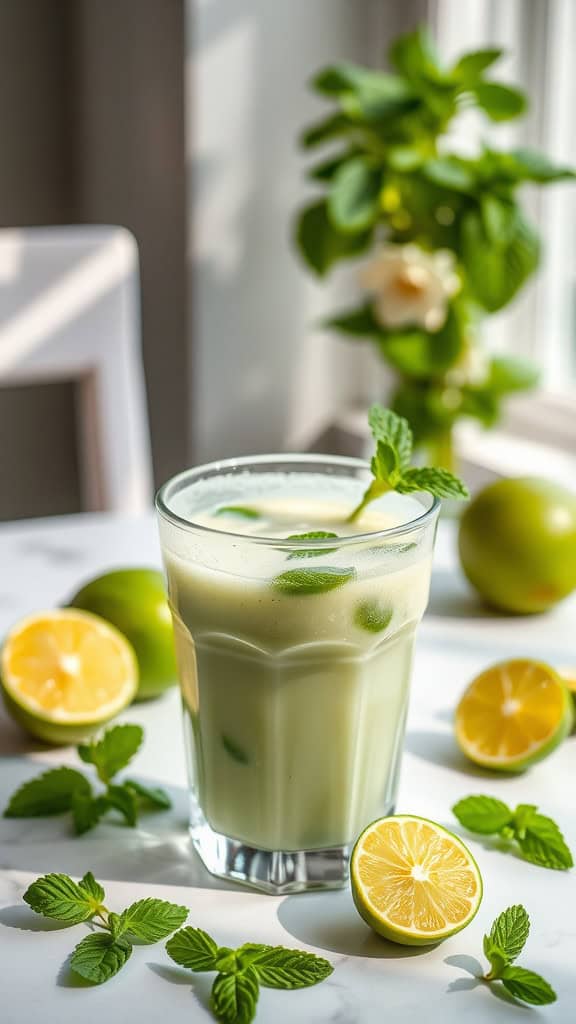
x,y
273,871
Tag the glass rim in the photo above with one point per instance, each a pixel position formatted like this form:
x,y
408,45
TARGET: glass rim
x,y
245,461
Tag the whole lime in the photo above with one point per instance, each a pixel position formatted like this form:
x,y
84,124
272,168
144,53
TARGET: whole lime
x,y
134,600
517,544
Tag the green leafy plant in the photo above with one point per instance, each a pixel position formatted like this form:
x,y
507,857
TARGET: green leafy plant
x,y
64,789
242,971
447,234
538,837
101,954
502,946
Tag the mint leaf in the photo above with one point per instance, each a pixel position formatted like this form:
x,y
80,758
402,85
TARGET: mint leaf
x,y
278,967
510,931
152,795
234,997
522,815
527,986
498,959
483,814
394,430
234,750
87,811
47,794
59,897
194,949
122,799
92,887
301,582
115,924
543,843
439,482
385,464
373,616
99,957
245,511
114,751
312,552
151,920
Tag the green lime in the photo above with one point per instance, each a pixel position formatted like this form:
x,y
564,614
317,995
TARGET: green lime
x,y
414,882
134,600
517,544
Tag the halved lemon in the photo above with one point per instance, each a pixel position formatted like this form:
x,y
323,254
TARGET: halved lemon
x,y
414,882
513,714
65,673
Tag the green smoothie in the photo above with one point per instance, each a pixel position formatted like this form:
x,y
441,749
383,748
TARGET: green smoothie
x,y
295,663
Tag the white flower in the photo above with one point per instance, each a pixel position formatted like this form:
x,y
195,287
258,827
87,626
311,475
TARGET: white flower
x,y
411,287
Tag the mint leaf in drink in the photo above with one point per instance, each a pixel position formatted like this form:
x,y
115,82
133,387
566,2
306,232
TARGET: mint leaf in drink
x,y
278,967
100,956
234,997
390,464
234,750
151,920
527,986
154,796
373,616
482,814
114,751
92,887
194,949
245,511
122,799
542,843
301,582
47,794
312,552
510,931
59,897
87,811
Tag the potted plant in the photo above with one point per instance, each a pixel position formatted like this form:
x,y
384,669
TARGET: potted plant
x,y
446,237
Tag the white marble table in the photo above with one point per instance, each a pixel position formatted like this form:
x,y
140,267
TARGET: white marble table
x,y
41,563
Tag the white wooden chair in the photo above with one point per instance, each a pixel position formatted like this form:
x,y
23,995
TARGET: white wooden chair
x,y
69,310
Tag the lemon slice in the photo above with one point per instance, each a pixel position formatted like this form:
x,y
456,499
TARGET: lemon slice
x,y
513,714
414,882
65,673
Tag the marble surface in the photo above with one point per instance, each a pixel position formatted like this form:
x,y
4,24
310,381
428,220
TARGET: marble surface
x,y
42,563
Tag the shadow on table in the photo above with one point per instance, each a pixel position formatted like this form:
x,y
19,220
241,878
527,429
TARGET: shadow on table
x,y
474,970
330,921
440,748
158,851
200,985
452,598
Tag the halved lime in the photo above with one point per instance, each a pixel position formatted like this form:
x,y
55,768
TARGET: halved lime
x,y
65,673
414,882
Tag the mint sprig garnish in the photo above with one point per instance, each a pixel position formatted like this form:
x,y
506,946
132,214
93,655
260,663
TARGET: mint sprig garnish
x,y
242,971
502,946
100,955
64,789
391,467
302,582
538,837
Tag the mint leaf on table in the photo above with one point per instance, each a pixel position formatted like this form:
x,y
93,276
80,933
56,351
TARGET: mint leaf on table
x,y
152,795
373,616
245,511
312,552
123,799
92,887
47,794
278,967
501,947
114,751
59,897
151,920
301,582
483,814
527,986
87,811
391,470
100,956
539,837
235,996
194,949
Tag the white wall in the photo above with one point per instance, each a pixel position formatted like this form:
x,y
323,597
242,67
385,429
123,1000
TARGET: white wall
x,y
264,377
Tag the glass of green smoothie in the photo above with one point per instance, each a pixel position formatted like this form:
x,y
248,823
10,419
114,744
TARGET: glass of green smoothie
x,y
294,635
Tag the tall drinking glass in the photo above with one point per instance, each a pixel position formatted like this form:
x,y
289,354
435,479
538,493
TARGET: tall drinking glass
x,y
294,657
